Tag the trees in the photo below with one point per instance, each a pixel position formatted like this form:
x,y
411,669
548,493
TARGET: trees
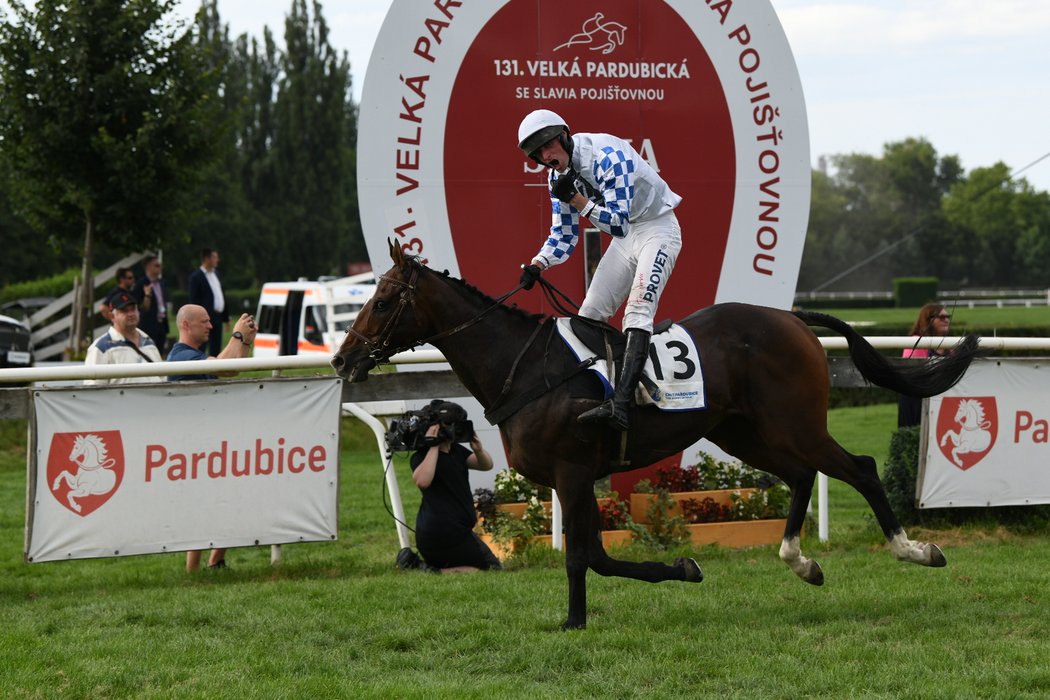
x,y
1006,225
105,107
281,203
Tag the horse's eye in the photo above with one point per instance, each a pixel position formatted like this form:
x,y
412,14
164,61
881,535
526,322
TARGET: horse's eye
x,y
380,305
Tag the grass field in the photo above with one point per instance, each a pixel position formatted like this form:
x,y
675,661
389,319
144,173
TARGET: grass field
x,y
337,620
1003,320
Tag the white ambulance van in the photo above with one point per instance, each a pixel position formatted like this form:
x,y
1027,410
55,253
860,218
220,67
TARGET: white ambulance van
x,y
296,318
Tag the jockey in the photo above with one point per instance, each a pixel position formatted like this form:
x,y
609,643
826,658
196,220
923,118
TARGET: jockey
x,y
601,177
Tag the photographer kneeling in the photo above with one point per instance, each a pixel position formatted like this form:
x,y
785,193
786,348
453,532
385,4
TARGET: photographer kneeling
x,y
446,519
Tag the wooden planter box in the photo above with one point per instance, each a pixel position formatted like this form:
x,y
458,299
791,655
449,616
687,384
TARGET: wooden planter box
x,y
610,538
739,533
641,502
503,550
518,509
616,538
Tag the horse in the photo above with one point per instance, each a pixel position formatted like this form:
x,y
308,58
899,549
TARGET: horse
x,y
973,434
95,475
766,380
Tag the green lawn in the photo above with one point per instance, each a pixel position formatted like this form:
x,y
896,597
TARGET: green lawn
x,y
1003,320
337,620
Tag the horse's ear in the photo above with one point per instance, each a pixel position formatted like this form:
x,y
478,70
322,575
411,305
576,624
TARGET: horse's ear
x,y
395,252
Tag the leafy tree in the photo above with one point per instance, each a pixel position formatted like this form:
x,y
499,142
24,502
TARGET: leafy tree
x,y
882,214
1008,223
106,114
315,127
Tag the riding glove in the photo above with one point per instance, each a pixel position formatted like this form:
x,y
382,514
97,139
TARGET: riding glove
x,y
530,274
564,187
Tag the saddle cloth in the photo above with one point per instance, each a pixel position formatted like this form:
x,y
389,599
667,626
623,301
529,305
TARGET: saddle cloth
x,y
674,382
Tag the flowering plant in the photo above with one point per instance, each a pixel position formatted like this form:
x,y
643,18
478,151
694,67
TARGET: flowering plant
x,y
708,475
762,504
512,487
614,515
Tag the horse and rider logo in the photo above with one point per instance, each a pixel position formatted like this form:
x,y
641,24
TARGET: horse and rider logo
x,y
602,34
84,470
967,428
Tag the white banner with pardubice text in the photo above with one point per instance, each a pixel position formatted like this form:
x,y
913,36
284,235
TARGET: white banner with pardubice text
x,y
986,441
174,466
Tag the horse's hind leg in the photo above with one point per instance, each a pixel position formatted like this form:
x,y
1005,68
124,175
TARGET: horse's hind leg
x,y
794,466
790,547
859,471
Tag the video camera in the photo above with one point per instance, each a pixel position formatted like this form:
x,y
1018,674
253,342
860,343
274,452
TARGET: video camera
x,y
409,432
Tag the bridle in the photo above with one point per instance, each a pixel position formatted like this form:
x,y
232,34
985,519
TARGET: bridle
x,y
379,350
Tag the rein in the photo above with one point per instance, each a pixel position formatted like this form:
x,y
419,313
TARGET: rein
x,y
378,349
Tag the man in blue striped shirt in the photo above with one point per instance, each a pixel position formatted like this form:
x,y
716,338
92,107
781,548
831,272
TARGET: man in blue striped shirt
x,y
601,177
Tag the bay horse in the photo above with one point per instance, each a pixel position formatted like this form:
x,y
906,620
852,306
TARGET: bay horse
x,y
766,380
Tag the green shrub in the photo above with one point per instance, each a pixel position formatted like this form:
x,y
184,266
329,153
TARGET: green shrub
x,y
901,473
53,286
914,291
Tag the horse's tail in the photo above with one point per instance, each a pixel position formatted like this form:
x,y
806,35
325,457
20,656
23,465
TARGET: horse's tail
x,y
929,378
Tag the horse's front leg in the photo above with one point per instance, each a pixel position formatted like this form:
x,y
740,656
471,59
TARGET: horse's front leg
x,y
584,549
581,534
63,476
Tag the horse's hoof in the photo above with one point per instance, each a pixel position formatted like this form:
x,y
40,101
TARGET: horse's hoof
x,y
569,625
814,574
935,556
690,569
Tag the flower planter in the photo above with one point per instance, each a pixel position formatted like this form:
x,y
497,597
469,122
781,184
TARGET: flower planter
x,y
616,538
502,550
517,510
641,502
738,533
610,538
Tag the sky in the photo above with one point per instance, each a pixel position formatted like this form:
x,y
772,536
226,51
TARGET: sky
x,y
970,76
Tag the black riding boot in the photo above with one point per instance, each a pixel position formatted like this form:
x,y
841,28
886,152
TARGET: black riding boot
x,y
615,410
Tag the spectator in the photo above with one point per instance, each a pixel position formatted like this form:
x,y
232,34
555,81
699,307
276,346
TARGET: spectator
x,y
206,290
934,320
194,328
152,293
124,343
125,279
445,522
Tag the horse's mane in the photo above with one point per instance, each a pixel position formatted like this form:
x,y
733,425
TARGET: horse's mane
x,y
482,296
978,408
93,440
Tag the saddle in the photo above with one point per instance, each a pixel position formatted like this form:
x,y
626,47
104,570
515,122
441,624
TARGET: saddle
x,y
604,340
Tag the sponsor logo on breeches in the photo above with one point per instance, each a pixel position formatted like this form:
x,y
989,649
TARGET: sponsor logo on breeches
x,y
656,276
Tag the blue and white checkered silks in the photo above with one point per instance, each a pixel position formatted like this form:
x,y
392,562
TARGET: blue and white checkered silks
x,y
621,186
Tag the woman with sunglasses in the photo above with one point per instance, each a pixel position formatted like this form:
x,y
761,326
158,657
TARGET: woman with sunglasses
x,y
933,319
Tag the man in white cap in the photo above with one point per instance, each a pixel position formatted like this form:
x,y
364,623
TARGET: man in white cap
x,y
602,178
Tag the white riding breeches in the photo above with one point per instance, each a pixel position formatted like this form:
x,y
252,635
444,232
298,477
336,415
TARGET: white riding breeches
x,y
635,268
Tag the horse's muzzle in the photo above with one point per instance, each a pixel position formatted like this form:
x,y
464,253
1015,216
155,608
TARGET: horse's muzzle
x,y
353,371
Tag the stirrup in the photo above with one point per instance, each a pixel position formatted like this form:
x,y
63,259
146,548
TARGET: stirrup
x,y
606,413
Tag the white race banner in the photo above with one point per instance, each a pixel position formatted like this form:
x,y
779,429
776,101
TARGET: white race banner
x,y
986,442
708,93
179,466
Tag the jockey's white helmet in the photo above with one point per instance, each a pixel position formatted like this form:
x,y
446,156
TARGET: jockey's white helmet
x,y
537,128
